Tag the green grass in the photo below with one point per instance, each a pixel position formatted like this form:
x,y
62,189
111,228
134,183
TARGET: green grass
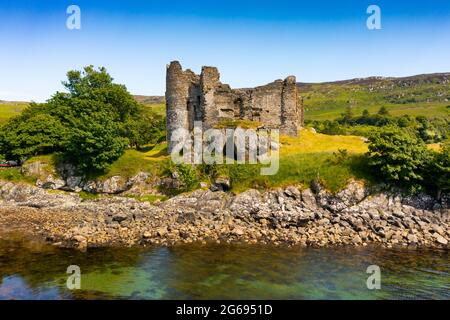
x,y
149,198
48,166
10,109
328,100
301,169
302,159
14,175
159,109
134,161
88,196
305,158
311,142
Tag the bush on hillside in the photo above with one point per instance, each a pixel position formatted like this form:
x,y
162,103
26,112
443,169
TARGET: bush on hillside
x,y
397,156
438,171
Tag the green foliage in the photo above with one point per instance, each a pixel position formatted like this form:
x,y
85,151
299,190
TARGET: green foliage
x,y
383,111
348,115
415,97
14,175
341,156
186,173
97,85
88,196
90,126
149,128
432,130
94,142
209,171
301,169
28,135
429,130
398,156
438,171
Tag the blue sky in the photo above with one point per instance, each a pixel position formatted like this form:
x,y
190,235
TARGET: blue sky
x,y
251,42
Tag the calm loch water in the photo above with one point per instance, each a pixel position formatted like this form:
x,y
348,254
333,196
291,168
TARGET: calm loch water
x,y
35,271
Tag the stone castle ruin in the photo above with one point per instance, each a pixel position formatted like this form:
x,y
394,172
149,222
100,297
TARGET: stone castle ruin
x,y
191,97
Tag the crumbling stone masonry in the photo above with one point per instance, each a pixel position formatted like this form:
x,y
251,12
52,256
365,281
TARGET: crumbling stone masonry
x,y
191,97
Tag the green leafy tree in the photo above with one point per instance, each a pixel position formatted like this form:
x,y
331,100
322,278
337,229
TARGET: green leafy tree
x,y
94,141
383,111
348,115
398,156
438,172
90,125
148,128
31,135
97,85
405,121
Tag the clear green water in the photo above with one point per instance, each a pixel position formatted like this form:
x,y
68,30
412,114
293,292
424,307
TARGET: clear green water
x,y
33,271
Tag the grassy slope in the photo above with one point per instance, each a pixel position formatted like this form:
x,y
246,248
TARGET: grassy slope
x,y
302,159
420,95
305,158
133,161
9,109
159,109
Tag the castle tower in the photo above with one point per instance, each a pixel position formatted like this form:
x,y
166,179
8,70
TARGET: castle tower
x,y
177,95
209,80
289,107
191,97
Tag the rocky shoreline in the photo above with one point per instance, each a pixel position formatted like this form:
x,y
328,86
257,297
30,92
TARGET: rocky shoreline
x,y
357,216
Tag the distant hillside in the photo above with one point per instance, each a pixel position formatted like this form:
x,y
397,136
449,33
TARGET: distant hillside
x,y
427,94
10,108
156,103
150,99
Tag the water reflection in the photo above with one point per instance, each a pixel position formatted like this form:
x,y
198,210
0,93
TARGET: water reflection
x,y
35,271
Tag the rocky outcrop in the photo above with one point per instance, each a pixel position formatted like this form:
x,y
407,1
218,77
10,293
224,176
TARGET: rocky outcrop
x,y
315,217
65,177
51,182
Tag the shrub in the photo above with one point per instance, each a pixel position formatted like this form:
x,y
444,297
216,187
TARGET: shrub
x,y
438,171
398,156
186,173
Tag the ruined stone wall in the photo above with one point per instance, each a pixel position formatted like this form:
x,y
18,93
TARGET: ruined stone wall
x,y
190,98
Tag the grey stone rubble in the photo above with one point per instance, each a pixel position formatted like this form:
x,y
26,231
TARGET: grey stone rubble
x,y
312,217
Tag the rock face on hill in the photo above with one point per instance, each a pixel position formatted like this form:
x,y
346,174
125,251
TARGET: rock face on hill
x,y
355,216
64,177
